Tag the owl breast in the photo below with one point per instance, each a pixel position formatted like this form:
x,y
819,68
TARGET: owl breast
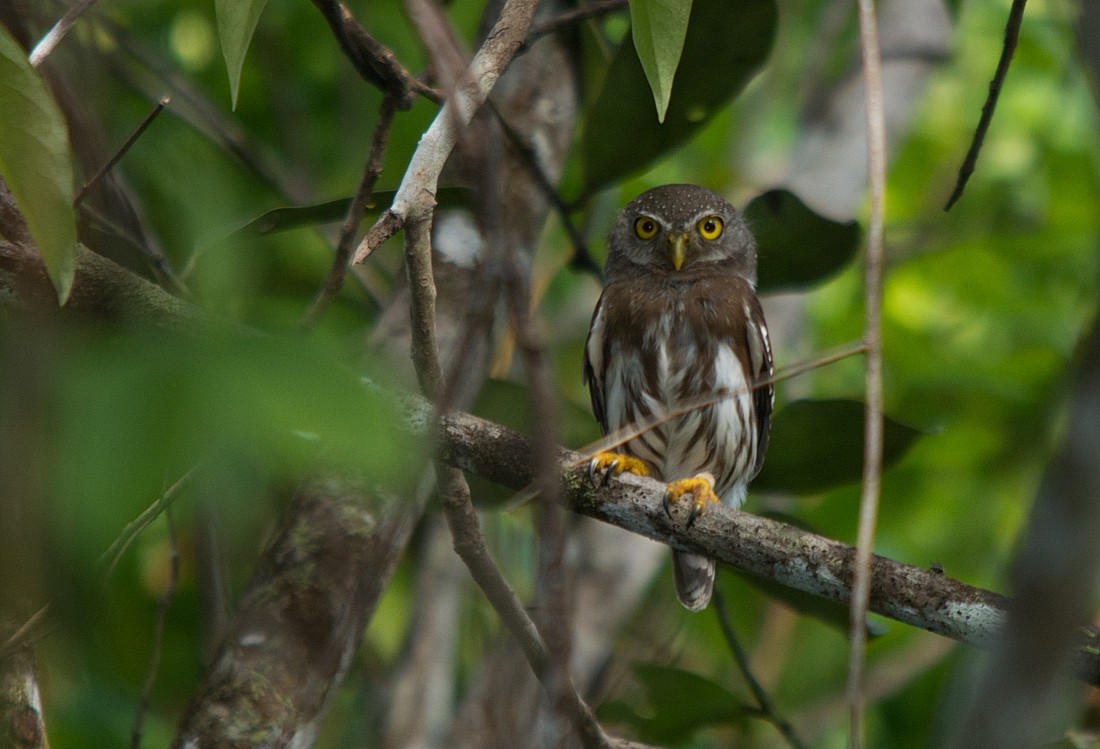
x,y
677,376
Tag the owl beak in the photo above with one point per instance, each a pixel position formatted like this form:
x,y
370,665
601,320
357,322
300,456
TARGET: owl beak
x,y
677,245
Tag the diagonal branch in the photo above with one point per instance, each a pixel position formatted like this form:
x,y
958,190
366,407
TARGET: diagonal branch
x,y
415,196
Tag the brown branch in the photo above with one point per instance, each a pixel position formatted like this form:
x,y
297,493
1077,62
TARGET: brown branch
x,y
1053,578
21,721
126,145
415,196
301,621
359,204
1012,36
373,60
564,20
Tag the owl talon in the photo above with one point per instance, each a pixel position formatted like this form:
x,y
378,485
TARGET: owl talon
x,y
606,464
701,490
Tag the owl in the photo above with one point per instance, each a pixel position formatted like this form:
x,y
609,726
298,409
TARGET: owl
x,y
678,346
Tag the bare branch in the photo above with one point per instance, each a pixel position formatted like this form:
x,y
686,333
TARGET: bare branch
x,y
415,197
374,62
805,561
21,722
1012,35
873,425
301,621
763,701
126,145
359,203
54,36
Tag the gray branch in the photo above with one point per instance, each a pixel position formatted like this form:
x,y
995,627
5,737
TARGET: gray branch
x,y
799,559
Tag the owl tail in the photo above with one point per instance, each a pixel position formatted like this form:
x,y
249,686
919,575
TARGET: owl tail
x,y
694,579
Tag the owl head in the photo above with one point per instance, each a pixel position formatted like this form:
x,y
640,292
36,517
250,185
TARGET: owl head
x,y
679,229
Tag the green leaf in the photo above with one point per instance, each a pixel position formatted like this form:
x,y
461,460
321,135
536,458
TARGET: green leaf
x,y
297,216
36,162
725,44
797,247
679,704
135,410
658,28
817,445
237,21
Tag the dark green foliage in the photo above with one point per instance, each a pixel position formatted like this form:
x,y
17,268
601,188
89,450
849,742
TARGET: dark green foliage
x,y
678,703
726,44
797,247
817,445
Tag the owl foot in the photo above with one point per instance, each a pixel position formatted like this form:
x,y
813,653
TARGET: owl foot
x,y
601,467
701,490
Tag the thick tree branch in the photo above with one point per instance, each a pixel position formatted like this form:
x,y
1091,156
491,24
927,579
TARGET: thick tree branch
x,y
294,635
927,599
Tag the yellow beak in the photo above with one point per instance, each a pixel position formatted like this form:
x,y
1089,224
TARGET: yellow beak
x,y
677,249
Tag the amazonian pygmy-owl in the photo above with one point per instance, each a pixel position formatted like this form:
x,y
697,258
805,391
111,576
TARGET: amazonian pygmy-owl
x,y
678,347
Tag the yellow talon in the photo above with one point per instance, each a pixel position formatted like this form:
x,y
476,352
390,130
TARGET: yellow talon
x,y
615,463
701,489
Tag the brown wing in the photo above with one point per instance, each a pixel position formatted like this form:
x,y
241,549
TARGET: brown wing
x,y
760,359
593,374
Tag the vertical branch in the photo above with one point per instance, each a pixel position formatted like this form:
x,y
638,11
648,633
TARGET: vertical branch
x,y
873,421
458,508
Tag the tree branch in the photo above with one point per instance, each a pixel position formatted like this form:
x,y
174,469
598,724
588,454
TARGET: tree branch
x,y
416,195
301,621
805,561
873,423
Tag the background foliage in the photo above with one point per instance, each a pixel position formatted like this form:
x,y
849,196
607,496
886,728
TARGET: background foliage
x,y
984,307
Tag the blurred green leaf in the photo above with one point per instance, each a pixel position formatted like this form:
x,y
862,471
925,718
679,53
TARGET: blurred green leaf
x,y
658,28
797,247
726,43
35,162
136,412
237,21
679,704
817,445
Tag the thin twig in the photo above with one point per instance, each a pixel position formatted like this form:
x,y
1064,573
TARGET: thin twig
x,y
133,529
21,637
158,630
763,701
359,204
126,145
632,431
54,36
373,60
1012,36
563,20
582,258
873,417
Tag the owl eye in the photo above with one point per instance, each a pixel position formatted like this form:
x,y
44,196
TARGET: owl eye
x,y
645,227
710,227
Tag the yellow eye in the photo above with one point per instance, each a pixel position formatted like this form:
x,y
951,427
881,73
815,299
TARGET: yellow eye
x,y
710,227
645,227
